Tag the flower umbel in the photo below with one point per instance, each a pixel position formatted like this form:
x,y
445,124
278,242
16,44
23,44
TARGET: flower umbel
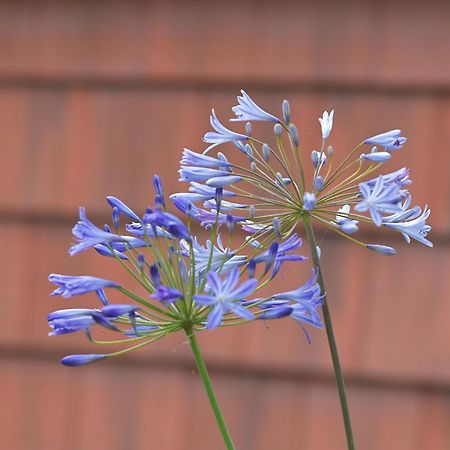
x,y
273,184
189,286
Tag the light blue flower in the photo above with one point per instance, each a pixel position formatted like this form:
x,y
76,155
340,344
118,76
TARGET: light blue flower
x,y
191,158
400,176
309,201
390,140
249,110
326,123
190,173
221,134
87,235
411,223
216,257
382,249
222,181
77,285
379,199
305,301
377,157
346,224
225,296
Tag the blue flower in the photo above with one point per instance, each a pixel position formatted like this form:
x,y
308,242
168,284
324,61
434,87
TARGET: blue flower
x,y
221,181
191,158
124,209
381,198
305,302
168,221
249,110
188,173
377,157
78,285
216,257
309,201
226,297
326,123
70,321
221,134
382,249
79,360
87,234
411,223
167,294
344,222
390,140
208,191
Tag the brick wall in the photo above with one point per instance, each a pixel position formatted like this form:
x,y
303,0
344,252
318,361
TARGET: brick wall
x,y
96,97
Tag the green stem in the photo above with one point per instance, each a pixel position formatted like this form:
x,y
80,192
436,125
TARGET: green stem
x,y
330,335
209,389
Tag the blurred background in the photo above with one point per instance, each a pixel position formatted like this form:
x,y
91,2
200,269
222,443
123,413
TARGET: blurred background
x,y
96,97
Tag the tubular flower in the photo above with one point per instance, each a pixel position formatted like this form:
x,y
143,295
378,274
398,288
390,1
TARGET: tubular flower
x,y
188,286
273,185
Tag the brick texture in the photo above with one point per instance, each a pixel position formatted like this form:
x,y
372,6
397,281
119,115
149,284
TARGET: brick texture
x,y
96,97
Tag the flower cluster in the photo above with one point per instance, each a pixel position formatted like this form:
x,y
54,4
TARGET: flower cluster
x,y
271,187
189,286
260,187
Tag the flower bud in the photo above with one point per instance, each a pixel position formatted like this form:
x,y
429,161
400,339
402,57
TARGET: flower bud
x,y
286,112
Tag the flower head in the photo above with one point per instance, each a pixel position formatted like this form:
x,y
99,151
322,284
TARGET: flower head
x,y
326,123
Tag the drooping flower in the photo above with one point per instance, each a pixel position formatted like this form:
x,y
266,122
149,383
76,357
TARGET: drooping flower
x,y
411,224
221,134
78,285
390,140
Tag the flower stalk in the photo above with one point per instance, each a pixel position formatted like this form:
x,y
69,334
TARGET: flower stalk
x,y
330,335
203,371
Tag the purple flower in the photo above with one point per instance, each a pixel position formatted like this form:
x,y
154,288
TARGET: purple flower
x,y
167,294
78,285
124,209
379,199
326,123
221,134
226,296
168,221
249,110
80,360
390,140
87,234
70,321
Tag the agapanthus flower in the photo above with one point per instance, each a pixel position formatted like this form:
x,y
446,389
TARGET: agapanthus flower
x,y
247,109
274,185
189,286
326,123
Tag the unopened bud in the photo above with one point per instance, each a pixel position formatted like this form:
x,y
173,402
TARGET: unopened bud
x,y
293,133
286,112
266,152
278,130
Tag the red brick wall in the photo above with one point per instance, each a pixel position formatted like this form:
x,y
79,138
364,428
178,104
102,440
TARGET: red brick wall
x,y
96,97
